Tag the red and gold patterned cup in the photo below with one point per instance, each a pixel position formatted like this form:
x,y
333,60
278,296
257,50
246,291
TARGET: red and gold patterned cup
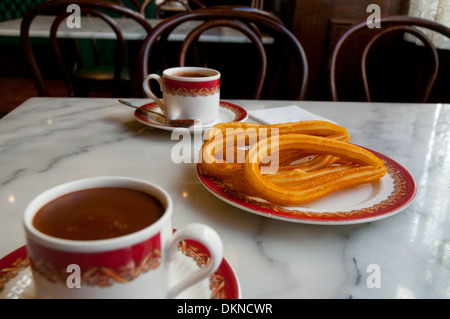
x,y
129,266
188,93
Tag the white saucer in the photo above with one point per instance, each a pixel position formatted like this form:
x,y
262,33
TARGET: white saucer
x,y
228,112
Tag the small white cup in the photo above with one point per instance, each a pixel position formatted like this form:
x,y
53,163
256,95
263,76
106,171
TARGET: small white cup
x,y
188,93
144,256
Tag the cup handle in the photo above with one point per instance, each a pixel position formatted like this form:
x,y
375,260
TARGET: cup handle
x,y
207,237
148,91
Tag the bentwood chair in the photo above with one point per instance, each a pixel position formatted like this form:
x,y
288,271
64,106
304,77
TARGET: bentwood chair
x,y
383,76
76,76
275,70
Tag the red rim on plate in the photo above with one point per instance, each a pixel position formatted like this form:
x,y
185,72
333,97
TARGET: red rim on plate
x,y
239,113
403,191
223,283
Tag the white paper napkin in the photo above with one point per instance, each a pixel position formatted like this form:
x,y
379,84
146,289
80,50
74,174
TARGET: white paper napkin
x,y
284,114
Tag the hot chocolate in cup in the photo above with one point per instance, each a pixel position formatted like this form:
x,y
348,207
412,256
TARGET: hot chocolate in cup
x,y
109,237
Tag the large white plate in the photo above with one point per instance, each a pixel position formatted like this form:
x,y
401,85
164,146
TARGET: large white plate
x,y
364,203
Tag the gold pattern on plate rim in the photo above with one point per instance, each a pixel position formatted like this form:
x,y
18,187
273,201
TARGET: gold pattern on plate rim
x,y
398,192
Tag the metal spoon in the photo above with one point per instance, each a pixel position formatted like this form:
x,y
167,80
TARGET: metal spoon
x,y
177,123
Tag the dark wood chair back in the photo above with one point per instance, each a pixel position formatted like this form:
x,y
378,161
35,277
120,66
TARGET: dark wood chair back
x,y
252,23
99,9
392,30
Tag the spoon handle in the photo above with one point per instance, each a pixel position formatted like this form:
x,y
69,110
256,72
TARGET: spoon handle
x,y
127,104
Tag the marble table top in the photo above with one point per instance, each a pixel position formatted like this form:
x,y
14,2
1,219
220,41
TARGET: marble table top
x,y
49,141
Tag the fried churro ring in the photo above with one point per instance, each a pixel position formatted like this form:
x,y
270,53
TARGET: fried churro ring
x,y
367,168
313,159
230,136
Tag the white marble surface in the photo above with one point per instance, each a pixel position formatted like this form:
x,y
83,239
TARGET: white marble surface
x,y
94,27
46,142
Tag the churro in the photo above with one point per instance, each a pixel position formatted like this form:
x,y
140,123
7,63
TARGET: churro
x,y
235,135
312,159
